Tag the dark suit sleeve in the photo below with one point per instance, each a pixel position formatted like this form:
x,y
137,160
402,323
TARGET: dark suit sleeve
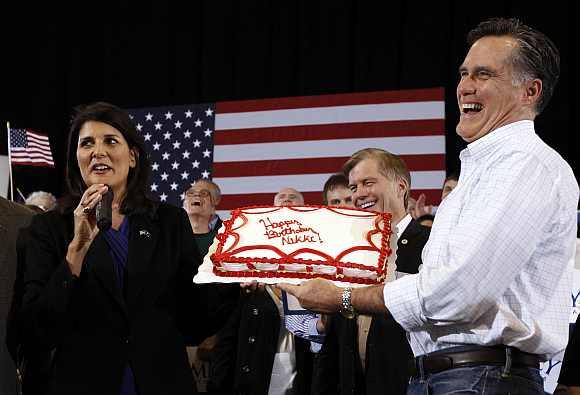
x,y
48,284
13,334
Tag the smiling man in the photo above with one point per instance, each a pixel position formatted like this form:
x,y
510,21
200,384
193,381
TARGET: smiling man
x,y
492,298
371,351
200,203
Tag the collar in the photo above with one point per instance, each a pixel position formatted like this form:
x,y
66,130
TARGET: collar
x,y
496,138
402,225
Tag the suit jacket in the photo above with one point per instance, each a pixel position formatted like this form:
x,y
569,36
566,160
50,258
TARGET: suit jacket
x,y
243,357
12,218
337,368
94,329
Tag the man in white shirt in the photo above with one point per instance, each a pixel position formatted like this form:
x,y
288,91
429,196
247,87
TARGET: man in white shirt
x,y
491,300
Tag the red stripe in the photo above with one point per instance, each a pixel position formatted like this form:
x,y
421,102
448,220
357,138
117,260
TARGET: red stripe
x,y
313,166
426,127
36,164
230,202
412,95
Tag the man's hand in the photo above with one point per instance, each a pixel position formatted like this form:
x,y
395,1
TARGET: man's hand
x,y
420,208
317,295
252,286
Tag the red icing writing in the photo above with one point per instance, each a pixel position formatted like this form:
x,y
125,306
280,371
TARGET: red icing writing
x,y
290,231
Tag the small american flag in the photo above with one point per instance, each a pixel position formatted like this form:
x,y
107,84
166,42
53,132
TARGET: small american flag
x,y
254,148
28,147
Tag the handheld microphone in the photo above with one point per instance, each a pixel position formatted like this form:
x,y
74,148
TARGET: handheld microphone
x,y
104,211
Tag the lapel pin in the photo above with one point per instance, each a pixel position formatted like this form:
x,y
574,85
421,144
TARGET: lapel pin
x,y
404,241
145,233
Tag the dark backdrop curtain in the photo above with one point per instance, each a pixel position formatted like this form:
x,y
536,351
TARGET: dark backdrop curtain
x,y
153,53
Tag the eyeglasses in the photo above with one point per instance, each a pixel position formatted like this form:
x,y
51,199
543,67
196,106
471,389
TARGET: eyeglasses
x,y
204,193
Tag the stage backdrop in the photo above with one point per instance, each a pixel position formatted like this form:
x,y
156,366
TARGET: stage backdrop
x,y
252,149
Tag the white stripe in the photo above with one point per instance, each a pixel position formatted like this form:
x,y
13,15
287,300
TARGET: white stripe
x,y
331,115
309,182
223,214
34,160
37,136
34,149
26,154
39,145
413,145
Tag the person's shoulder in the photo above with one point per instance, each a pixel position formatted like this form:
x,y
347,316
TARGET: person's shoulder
x,y
415,228
168,212
166,208
9,208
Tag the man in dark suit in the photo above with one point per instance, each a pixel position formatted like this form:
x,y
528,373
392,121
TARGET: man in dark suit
x,y
12,218
369,354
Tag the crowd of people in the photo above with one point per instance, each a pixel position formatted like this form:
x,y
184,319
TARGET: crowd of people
x,y
479,298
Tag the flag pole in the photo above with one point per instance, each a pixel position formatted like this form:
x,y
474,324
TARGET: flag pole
x,y
10,163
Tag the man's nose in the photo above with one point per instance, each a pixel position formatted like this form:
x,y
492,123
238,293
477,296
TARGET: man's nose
x,y
360,193
465,86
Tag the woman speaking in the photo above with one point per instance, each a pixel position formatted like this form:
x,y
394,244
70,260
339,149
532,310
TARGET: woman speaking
x,y
116,306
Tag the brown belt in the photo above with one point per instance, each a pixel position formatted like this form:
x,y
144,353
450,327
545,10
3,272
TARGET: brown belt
x,y
440,360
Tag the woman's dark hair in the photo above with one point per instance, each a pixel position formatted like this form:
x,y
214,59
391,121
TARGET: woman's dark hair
x,y
535,57
135,199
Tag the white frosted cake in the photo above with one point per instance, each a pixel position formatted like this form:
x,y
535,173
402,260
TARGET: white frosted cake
x,y
293,244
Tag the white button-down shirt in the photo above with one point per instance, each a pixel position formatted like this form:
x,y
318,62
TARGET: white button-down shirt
x,y
497,268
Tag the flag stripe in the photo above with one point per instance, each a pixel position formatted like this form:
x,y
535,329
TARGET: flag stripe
x,y
35,163
317,165
309,182
412,95
32,160
21,152
413,145
331,115
32,136
327,132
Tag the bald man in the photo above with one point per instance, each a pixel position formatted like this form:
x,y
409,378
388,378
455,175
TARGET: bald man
x,y
288,197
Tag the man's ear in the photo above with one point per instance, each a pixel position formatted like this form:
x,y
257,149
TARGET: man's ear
x,y
533,91
403,188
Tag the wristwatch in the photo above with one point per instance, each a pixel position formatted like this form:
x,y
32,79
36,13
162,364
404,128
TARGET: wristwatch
x,y
346,308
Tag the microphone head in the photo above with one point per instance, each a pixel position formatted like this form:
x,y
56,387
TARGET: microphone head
x,y
104,211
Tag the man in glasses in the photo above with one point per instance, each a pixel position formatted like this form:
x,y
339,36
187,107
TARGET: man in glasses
x,y
200,203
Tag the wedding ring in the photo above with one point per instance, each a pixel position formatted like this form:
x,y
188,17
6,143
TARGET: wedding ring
x,y
86,210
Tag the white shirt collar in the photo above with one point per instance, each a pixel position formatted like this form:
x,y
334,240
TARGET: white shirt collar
x,y
402,225
488,143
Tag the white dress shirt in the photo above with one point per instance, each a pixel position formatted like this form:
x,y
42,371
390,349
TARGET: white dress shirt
x,y
497,268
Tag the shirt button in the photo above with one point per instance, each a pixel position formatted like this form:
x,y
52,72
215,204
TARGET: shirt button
x,y
245,369
255,311
251,339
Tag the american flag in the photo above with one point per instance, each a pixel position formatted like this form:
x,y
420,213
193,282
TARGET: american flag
x,y
254,148
179,140
28,147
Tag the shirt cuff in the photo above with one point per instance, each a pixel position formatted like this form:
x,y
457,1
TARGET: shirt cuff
x,y
312,330
315,347
402,300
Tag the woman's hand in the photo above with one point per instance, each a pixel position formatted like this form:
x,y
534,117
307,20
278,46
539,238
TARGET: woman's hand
x,y
85,227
